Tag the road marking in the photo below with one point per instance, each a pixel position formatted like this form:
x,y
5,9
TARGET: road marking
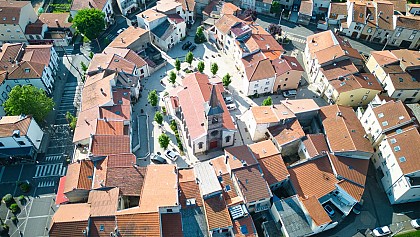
x,y
1,172
44,184
49,170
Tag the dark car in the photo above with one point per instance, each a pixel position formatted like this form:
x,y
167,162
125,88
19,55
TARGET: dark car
x,y
186,45
192,47
157,159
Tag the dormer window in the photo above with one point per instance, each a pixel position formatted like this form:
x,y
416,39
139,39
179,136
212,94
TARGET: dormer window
x,y
27,70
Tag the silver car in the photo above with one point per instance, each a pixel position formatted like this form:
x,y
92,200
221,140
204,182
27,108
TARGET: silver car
x,y
173,156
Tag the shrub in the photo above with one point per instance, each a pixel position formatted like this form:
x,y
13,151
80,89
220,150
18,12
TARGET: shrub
x,y
4,229
163,109
14,219
25,187
14,208
21,197
8,198
173,126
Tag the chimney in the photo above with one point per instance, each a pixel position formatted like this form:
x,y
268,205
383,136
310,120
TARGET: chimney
x,y
102,91
122,40
267,46
56,22
197,181
226,159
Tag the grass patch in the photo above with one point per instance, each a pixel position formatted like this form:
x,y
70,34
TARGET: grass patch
x,y
414,233
60,8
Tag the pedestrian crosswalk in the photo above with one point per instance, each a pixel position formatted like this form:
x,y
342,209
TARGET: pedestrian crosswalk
x,y
50,170
53,158
299,40
49,183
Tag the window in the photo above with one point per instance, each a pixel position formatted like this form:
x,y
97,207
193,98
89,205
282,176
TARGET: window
x,y
393,140
21,143
255,85
411,37
381,115
4,95
369,30
402,159
227,188
8,88
399,131
101,228
266,89
200,145
385,123
214,133
397,148
267,83
169,210
399,94
398,34
1,144
415,94
227,138
215,120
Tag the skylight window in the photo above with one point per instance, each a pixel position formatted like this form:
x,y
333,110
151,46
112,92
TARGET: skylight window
x,y
402,159
400,79
397,148
381,115
385,123
393,140
101,228
227,188
244,230
399,131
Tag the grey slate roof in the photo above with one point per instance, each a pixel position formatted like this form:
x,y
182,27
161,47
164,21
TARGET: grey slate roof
x,y
163,30
292,216
213,106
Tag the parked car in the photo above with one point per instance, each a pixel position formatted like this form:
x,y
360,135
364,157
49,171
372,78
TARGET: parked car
x,y
157,159
120,31
231,106
171,155
289,93
186,45
192,47
381,231
415,223
228,99
329,210
357,208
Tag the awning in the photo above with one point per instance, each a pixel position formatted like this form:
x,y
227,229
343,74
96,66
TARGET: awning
x,y
61,198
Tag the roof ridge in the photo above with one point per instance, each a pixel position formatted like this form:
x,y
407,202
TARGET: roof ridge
x,y
347,128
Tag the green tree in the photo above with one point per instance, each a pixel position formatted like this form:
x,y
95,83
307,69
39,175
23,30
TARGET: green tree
x,y
173,125
72,120
199,36
83,66
163,141
152,97
267,101
275,7
158,118
200,66
91,55
8,198
178,65
172,77
28,99
90,22
214,68
14,208
226,80
189,58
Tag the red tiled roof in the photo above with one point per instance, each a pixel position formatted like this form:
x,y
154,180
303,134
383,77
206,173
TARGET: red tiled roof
x,y
139,224
314,171
78,174
351,169
128,179
96,223
61,198
251,184
103,145
356,191
13,124
316,211
285,64
171,225
242,224
315,144
287,133
216,213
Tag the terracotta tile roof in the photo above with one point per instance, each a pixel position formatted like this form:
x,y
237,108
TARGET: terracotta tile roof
x,y
384,57
219,165
55,20
127,54
271,114
358,81
409,59
239,155
314,171
97,223
225,22
337,9
128,179
244,227
121,160
393,113
109,127
171,225
306,7
287,133
229,8
315,144
166,178
103,145
187,5
79,176
359,12
266,42
316,211
216,213
139,224
300,105
38,54
408,22
251,184
405,141
83,4
9,54
274,169
285,64
258,67
263,149
196,92
356,191
11,11
229,191
341,68
128,37
385,20
103,202
352,169
399,5
112,62
9,124
34,28
3,75
26,70
404,81
211,6
97,90
188,188
70,219
344,132
86,124
116,112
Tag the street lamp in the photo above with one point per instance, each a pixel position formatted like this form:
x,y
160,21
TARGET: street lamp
x,y
281,15
386,43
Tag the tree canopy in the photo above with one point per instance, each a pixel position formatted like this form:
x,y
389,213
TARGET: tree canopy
x,y
214,68
200,66
226,80
28,100
90,22
199,36
189,57
275,7
172,77
274,29
267,101
164,141
152,97
177,65
158,118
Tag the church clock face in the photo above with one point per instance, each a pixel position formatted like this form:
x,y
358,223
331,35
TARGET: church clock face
x,y
215,120
214,133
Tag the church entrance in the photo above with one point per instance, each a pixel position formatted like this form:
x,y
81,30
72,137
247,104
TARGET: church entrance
x,y
213,144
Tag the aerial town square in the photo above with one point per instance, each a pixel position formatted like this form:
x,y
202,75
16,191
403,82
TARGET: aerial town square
x,y
209,118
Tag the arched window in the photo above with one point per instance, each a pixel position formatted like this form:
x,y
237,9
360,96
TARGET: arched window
x,y
200,145
214,133
227,138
